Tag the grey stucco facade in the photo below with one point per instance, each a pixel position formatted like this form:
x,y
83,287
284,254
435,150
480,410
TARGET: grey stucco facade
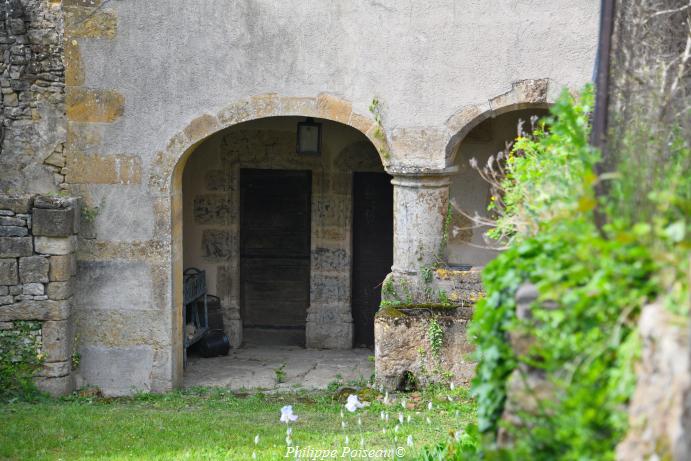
x,y
146,82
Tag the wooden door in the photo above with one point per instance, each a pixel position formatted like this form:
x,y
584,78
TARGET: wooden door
x,y
372,249
275,222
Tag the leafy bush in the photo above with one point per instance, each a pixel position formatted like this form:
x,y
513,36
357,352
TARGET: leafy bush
x,y
20,358
592,283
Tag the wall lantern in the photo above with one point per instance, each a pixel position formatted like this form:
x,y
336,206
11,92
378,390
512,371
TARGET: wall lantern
x,y
309,137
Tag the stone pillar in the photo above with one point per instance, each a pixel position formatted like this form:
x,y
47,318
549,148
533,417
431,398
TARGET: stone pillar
x,y
421,201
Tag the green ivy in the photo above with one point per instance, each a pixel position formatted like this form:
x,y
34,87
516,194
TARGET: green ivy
x,y
585,346
20,359
436,337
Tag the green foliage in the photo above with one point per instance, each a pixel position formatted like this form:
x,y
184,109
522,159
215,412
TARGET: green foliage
x,y
436,337
427,274
592,286
89,214
215,424
548,173
280,373
20,358
444,298
585,346
464,447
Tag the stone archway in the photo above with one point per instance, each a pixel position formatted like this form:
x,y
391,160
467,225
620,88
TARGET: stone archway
x,y
524,94
168,166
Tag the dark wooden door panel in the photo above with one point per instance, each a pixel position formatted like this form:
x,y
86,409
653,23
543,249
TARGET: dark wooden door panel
x,y
275,226
372,249
275,292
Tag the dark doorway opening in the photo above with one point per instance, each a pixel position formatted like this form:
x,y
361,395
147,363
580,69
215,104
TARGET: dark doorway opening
x,y
372,249
275,221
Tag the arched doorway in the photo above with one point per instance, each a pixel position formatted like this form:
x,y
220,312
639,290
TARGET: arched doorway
x,y
283,237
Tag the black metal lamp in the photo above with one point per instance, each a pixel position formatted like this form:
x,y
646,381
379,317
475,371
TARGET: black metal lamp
x,y
309,137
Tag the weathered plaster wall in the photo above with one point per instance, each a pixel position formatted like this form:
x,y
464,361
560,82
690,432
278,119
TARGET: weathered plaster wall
x,y
470,194
146,81
211,215
32,87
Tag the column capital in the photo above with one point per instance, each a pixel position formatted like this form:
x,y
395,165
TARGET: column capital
x,y
421,177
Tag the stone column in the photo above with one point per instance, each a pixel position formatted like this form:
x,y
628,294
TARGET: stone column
x,y
421,200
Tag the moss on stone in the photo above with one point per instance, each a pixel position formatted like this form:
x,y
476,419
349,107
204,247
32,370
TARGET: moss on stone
x,y
391,312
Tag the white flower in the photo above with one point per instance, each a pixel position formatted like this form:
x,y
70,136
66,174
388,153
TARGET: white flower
x,y
256,439
254,455
343,424
400,418
407,419
457,436
381,416
450,398
383,430
287,414
429,421
429,406
289,441
386,417
362,442
403,403
452,386
347,440
359,421
409,441
289,431
353,403
396,428
386,398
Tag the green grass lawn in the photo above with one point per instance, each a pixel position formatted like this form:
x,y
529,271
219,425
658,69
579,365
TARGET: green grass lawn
x,y
205,424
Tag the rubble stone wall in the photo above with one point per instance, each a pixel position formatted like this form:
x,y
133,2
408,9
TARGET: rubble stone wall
x,y
32,86
37,273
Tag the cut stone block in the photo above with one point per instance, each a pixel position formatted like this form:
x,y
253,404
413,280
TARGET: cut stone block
x,y
128,370
15,247
62,267
16,204
56,369
12,221
54,245
57,340
33,269
53,222
8,272
56,387
13,231
35,310
60,290
33,289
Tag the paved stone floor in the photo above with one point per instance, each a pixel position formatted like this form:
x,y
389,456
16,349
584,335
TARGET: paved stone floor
x,y
254,367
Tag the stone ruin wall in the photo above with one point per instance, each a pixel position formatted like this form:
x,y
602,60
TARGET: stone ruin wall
x,y
37,273
32,83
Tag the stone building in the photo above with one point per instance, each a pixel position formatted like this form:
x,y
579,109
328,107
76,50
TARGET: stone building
x,y
175,123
